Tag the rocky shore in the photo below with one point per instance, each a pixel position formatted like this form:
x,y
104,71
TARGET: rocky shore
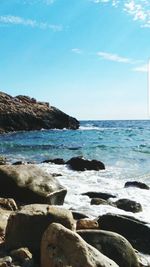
x,y
36,230
22,113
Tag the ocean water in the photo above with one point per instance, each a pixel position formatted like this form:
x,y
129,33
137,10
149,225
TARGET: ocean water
x,y
123,146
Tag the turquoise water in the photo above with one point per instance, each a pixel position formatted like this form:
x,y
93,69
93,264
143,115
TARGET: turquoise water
x,y
116,143
123,146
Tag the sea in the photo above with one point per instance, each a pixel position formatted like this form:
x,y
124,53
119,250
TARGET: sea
x,y
123,146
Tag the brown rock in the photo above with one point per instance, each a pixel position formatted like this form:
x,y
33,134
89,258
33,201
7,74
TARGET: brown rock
x,y
25,113
62,247
86,224
26,226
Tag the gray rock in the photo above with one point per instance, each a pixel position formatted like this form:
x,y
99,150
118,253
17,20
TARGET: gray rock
x,y
62,247
128,205
136,184
30,184
81,164
26,226
137,233
113,245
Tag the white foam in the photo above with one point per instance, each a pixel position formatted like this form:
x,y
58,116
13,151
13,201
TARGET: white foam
x,y
110,181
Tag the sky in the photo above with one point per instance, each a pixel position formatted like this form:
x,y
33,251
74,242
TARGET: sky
x,y
88,58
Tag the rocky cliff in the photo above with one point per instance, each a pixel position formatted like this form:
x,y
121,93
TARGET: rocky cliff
x,y
25,113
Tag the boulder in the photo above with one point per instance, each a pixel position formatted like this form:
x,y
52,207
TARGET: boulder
x,y
101,195
136,184
26,226
113,245
23,113
137,233
62,247
86,224
58,161
128,205
99,201
81,164
29,184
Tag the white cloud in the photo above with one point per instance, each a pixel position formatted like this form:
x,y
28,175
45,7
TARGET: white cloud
x,y
139,10
15,20
76,50
142,68
114,57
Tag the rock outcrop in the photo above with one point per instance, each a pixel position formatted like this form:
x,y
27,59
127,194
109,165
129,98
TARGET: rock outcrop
x,y
29,184
22,113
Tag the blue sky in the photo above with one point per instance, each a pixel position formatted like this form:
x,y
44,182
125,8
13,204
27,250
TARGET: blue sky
x,y
86,57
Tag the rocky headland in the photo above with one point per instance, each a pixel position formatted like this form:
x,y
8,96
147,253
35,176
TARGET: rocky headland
x,y
22,113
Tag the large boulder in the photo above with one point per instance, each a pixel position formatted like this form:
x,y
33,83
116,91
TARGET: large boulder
x,y
81,164
136,232
113,245
25,113
62,247
29,184
26,226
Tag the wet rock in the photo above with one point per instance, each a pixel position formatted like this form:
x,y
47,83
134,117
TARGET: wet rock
x,y
137,184
113,245
62,247
8,204
22,113
26,226
104,196
128,205
30,184
99,201
137,233
58,161
86,224
81,164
